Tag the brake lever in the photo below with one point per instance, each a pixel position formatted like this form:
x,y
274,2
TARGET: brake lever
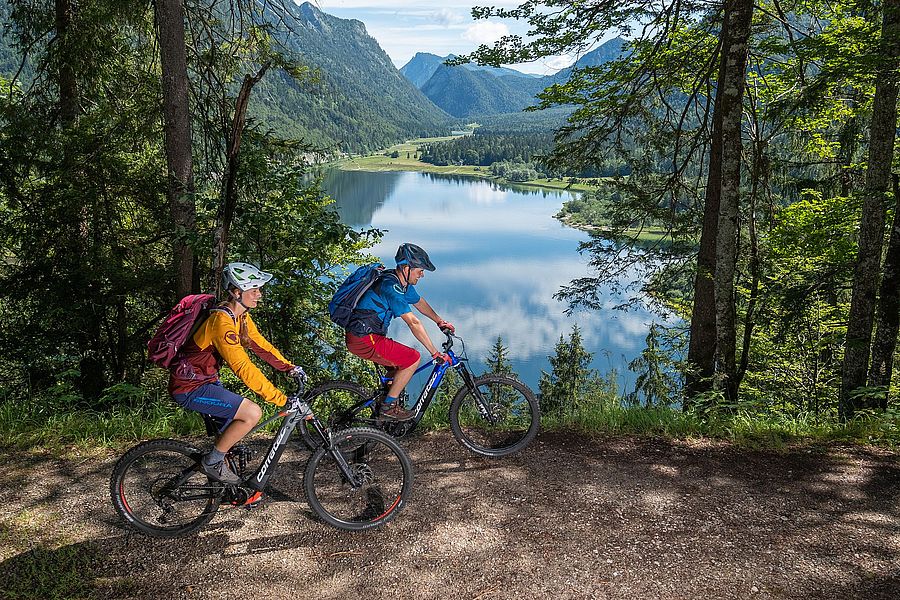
x,y
448,343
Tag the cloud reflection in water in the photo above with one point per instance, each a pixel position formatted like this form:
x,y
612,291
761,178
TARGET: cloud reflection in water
x,y
500,258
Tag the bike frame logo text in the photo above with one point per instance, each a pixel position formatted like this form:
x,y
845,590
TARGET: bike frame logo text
x,y
265,465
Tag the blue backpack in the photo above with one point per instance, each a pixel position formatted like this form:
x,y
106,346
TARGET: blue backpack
x,y
347,296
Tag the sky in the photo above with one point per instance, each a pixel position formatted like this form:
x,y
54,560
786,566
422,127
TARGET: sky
x,y
442,27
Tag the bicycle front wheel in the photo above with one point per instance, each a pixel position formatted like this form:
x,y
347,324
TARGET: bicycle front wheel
x,y
499,419
331,402
383,475
156,488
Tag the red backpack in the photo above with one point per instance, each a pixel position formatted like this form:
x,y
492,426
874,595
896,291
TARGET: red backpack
x,y
177,328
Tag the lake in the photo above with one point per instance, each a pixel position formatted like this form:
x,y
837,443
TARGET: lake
x,y
500,258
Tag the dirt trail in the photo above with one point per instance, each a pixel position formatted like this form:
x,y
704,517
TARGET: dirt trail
x,y
569,518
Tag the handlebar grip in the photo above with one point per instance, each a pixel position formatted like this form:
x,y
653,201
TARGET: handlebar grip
x,y
446,331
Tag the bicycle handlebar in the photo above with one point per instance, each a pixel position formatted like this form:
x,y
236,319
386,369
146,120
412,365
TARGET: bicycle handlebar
x,y
448,343
301,385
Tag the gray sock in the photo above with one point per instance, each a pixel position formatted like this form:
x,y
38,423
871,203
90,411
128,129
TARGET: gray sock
x,y
215,456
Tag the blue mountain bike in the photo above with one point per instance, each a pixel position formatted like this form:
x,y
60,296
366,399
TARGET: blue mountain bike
x,y
492,415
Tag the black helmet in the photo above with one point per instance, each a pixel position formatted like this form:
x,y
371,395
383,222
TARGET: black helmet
x,y
414,256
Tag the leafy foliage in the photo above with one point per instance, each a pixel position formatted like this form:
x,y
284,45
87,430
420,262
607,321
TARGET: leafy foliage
x,y
86,228
810,85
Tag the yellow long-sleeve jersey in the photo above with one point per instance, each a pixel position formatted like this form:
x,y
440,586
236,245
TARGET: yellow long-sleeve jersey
x,y
218,339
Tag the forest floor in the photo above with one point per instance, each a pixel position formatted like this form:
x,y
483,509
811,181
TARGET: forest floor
x,y
570,517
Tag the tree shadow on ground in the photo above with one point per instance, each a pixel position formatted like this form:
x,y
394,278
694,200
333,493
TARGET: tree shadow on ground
x,y
571,517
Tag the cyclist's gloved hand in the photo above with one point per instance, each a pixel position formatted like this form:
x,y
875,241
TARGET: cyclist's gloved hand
x,y
442,325
297,372
441,357
294,403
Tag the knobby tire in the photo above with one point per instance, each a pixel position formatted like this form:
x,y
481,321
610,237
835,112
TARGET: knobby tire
x,y
511,401
156,488
382,465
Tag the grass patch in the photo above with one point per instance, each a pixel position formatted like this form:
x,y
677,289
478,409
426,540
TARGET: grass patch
x,y
384,161
64,573
37,563
29,425
748,429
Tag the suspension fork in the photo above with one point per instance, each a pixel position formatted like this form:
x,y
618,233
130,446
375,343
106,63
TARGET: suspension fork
x,y
484,408
328,445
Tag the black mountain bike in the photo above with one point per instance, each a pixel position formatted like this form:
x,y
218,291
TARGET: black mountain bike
x,y
492,415
356,479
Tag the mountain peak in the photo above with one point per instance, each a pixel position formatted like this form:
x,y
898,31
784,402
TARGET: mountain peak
x,y
311,15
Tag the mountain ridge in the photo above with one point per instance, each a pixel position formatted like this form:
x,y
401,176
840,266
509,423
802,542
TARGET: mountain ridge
x,y
473,90
362,102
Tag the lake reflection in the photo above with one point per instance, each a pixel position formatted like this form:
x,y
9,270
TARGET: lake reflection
x,y
500,258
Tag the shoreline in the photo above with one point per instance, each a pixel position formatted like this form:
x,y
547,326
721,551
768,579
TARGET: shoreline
x,y
382,161
459,171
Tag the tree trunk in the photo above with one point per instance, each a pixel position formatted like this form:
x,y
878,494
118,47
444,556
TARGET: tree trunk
x,y
756,174
177,127
229,192
883,128
702,346
68,85
85,318
887,313
738,13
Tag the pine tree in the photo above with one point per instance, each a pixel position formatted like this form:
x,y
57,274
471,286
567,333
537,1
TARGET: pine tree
x,y
567,385
654,380
498,360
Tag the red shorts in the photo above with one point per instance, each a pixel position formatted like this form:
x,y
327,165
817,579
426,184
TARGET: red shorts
x,y
382,350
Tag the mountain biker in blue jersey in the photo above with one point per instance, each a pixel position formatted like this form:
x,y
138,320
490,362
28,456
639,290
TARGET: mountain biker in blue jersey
x,y
390,297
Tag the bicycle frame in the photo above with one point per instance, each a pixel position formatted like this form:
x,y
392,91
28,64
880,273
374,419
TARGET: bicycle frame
x,y
257,481
430,389
260,477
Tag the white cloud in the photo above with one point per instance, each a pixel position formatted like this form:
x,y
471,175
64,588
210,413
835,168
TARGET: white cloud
x,y
446,16
403,28
485,32
558,62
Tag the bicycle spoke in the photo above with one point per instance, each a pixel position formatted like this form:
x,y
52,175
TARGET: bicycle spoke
x,y
382,478
500,419
157,489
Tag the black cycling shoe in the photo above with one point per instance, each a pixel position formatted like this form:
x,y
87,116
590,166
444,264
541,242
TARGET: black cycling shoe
x,y
220,472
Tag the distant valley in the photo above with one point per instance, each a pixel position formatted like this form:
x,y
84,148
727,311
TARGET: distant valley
x,y
362,102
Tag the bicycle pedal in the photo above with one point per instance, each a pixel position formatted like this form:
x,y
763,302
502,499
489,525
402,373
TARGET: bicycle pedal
x,y
254,500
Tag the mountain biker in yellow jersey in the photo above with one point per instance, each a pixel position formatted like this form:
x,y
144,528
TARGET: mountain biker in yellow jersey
x,y
223,336
390,297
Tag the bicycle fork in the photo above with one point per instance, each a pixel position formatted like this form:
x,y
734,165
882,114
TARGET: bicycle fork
x,y
483,406
343,465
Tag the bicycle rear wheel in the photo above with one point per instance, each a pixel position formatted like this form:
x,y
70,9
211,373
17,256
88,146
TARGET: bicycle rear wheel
x,y
511,404
383,471
157,489
330,401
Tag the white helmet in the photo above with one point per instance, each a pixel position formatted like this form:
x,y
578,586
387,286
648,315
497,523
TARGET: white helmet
x,y
244,276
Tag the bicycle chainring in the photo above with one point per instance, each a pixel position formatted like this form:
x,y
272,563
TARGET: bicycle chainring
x,y
398,429
235,496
